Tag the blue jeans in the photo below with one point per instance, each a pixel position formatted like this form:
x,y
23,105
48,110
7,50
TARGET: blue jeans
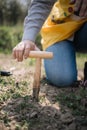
x,y
62,70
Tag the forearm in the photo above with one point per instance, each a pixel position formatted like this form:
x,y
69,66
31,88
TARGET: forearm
x,y
37,14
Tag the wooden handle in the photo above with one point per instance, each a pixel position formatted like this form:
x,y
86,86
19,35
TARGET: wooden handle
x,y
36,82
41,54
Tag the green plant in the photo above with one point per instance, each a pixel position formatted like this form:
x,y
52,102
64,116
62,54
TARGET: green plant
x,y
9,37
5,40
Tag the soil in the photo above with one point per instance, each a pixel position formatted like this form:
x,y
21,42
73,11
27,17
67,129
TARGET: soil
x,y
18,110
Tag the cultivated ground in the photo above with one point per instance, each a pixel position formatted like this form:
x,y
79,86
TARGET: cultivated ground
x,y
57,109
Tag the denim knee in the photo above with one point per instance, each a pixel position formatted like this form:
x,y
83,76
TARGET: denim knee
x,y
62,79
61,69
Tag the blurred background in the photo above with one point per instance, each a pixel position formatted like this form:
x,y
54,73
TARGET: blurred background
x,y
12,14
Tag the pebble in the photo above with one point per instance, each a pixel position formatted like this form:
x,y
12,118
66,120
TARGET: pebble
x,y
34,115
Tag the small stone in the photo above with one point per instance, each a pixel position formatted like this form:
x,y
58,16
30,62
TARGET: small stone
x,y
48,128
34,115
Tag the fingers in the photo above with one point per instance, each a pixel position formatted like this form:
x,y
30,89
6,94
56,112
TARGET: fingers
x,y
20,55
77,5
27,47
14,53
22,50
18,52
81,7
26,52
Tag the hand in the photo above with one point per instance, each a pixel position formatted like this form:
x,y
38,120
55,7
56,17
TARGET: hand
x,y
22,50
81,6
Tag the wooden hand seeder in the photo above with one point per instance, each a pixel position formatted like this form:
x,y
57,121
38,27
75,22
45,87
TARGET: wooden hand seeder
x,y
39,55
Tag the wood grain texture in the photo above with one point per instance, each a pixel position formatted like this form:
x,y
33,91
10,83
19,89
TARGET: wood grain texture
x,y
40,54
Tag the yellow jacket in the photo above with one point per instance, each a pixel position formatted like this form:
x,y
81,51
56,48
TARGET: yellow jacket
x,y
61,23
